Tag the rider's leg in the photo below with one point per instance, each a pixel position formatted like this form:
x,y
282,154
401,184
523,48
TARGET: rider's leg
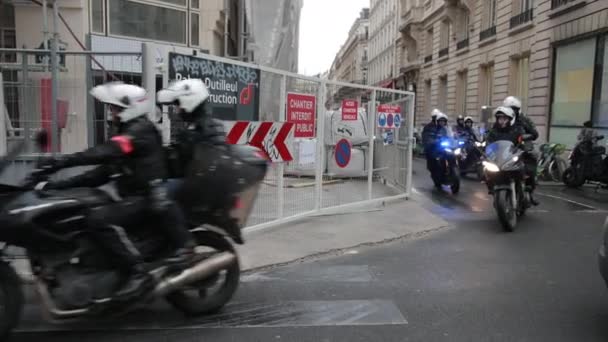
x,y
107,225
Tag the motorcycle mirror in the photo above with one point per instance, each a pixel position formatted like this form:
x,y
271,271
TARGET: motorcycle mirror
x,y
42,139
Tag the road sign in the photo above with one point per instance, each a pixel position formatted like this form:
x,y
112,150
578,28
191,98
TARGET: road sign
x,y
301,110
397,120
272,137
342,153
388,137
388,112
381,120
349,110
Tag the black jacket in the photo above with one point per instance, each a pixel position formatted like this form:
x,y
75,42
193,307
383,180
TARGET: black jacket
x,y
509,133
134,157
429,134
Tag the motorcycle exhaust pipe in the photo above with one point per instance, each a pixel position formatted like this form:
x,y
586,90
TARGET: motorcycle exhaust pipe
x,y
202,270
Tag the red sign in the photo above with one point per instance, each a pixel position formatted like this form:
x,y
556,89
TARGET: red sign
x,y
385,108
271,137
301,111
349,110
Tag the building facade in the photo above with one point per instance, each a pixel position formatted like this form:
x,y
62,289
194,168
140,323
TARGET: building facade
x,y
350,63
383,33
184,26
466,56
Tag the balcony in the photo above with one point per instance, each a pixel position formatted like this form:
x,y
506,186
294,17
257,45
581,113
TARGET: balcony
x,y
413,15
428,58
444,52
409,66
559,3
487,33
462,44
522,18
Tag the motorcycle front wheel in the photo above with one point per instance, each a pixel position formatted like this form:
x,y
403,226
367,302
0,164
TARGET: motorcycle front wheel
x,y
507,213
11,300
209,295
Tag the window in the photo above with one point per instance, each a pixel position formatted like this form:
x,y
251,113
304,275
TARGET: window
x,y
97,16
444,38
194,4
175,2
461,92
518,79
601,118
194,29
486,85
443,93
489,17
8,38
147,21
429,46
427,96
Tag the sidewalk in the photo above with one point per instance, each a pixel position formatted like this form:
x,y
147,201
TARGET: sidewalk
x,y
321,235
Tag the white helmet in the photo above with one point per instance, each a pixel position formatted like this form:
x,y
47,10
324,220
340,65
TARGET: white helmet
x,y
441,116
506,111
434,113
469,118
512,102
131,98
186,94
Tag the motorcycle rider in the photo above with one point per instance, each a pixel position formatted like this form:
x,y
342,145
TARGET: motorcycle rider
x,y
190,97
530,135
469,129
460,128
429,134
135,158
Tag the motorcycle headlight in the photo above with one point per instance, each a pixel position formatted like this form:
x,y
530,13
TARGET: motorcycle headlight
x,y
457,151
491,167
478,144
515,159
449,150
445,143
460,142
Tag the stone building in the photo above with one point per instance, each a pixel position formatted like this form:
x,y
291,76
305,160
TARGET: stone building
x,y
462,56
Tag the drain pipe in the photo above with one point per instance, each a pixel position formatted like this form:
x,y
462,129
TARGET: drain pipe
x,y
226,27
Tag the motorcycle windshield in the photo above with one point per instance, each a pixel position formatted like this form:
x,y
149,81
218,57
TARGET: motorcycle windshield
x,y
500,152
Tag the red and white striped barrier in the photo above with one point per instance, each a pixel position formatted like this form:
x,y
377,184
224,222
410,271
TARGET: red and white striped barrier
x,y
275,138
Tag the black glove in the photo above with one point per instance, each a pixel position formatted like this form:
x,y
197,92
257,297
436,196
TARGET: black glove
x,y
527,137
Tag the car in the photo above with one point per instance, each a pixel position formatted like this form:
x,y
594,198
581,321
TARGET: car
x,y
602,255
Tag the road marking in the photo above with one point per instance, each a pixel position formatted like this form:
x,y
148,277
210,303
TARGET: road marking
x,y
568,200
245,315
315,273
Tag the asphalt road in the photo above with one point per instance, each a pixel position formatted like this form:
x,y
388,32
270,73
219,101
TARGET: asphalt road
x,y
469,282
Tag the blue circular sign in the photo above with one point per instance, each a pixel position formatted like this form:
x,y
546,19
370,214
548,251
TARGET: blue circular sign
x,y
389,120
397,120
342,153
382,120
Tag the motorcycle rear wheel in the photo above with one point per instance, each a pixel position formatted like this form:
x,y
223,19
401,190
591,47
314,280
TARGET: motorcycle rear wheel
x,y
11,300
196,301
507,214
572,179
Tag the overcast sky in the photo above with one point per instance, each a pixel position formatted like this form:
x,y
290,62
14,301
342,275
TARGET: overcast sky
x,y
324,26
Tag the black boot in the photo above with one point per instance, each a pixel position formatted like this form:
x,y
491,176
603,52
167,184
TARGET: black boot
x,y
139,282
533,201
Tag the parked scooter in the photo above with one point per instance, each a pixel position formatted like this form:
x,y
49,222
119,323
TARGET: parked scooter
x,y
550,165
588,163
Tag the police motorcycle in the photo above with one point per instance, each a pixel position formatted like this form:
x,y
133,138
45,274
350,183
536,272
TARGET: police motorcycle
x,y
588,163
447,172
470,158
71,271
505,171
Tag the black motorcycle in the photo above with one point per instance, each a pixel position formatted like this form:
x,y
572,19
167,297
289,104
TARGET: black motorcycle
x,y
471,157
504,172
588,163
446,172
71,271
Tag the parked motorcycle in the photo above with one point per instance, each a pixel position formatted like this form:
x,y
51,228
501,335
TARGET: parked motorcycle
x,y
550,165
469,160
588,163
504,172
447,167
71,271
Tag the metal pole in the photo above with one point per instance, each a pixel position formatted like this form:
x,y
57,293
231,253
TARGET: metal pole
x,y
371,117
25,96
281,167
149,76
45,24
90,104
3,135
410,145
226,19
55,82
320,165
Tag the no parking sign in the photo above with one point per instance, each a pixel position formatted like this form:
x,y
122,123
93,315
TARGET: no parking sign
x,y
342,153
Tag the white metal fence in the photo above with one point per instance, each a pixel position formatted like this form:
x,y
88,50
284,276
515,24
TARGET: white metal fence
x,y
322,176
